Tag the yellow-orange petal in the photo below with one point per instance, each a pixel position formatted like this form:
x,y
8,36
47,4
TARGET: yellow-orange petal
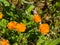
x,y
37,18
21,27
11,25
44,28
1,15
4,42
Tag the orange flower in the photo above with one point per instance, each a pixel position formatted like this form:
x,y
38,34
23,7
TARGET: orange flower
x,y
11,25
44,28
21,27
4,42
1,15
37,18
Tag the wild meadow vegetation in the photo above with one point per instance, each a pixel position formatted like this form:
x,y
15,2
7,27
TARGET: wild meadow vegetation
x,y
29,22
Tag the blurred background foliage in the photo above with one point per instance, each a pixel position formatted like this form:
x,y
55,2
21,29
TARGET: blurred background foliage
x,y
23,11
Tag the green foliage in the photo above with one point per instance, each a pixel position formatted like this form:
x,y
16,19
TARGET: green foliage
x,y
45,41
55,42
30,8
3,23
6,3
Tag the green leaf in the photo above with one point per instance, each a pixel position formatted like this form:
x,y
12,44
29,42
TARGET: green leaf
x,y
3,23
55,42
40,40
15,44
2,0
30,17
30,8
5,2
47,42
58,4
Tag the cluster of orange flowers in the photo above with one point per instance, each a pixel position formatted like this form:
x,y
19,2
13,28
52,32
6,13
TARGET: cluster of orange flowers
x,y
4,42
20,27
43,28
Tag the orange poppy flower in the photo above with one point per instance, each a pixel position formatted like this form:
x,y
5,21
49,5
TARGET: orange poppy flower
x,y
4,42
36,18
11,25
1,15
21,27
44,28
